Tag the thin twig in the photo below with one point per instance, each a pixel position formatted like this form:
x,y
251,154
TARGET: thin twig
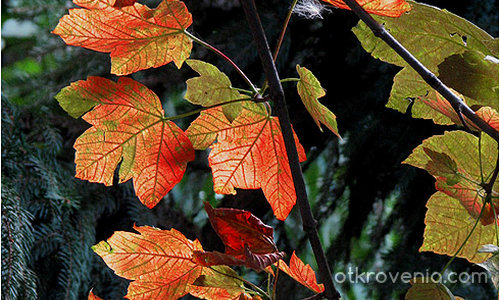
x,y
276,92
315,297
431,79
283,30
225,57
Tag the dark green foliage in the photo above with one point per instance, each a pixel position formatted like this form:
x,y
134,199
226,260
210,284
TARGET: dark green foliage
x,y
19,281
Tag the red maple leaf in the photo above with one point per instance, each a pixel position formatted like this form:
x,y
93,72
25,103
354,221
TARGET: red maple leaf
x,y
248,241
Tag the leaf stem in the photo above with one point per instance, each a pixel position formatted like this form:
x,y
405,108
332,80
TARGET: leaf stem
x,y
225,57
289,80
464,242
309,224
196,111
275,283
245,91
283,30
429,77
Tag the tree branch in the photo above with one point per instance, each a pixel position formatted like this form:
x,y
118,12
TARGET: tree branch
x,y
276,93
489,186
431,79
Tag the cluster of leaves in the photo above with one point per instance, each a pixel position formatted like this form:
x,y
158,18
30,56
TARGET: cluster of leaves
x,y
463,162
130,128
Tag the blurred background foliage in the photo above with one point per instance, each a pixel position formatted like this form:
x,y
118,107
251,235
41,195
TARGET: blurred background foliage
x,y
370,207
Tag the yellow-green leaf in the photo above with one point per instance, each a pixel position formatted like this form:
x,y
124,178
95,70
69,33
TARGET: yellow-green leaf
x,y
217,282
447,225
460,172
432,35
212,87
426,289
310,90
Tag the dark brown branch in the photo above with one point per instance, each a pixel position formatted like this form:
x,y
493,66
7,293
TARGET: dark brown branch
x,y
489,186
276,92
425,73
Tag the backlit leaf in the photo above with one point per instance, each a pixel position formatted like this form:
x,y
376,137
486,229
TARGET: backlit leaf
x,y
302,273
432,35
489,115
128,126
217,282
203,131
426,289
136,36
238,228
447,225
453,159
391,8
123,3
471,75
250,155
310,90
446,113
252,260
159,262
92,296
247,240
211,88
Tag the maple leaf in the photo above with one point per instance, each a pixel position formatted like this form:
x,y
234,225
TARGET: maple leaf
x,y
136,36
92,296
159,261
460,169
247,240
489,115
390,8
301,273
310,90
217,282
241,157
450,48
203,131
123,3
161,265
446,112
128,126
211,88
447,225
426,288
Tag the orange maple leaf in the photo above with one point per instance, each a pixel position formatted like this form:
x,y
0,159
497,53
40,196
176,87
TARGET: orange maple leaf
x,y
390,8
136,36
249,154
302,273
128,126
92,296
161,266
